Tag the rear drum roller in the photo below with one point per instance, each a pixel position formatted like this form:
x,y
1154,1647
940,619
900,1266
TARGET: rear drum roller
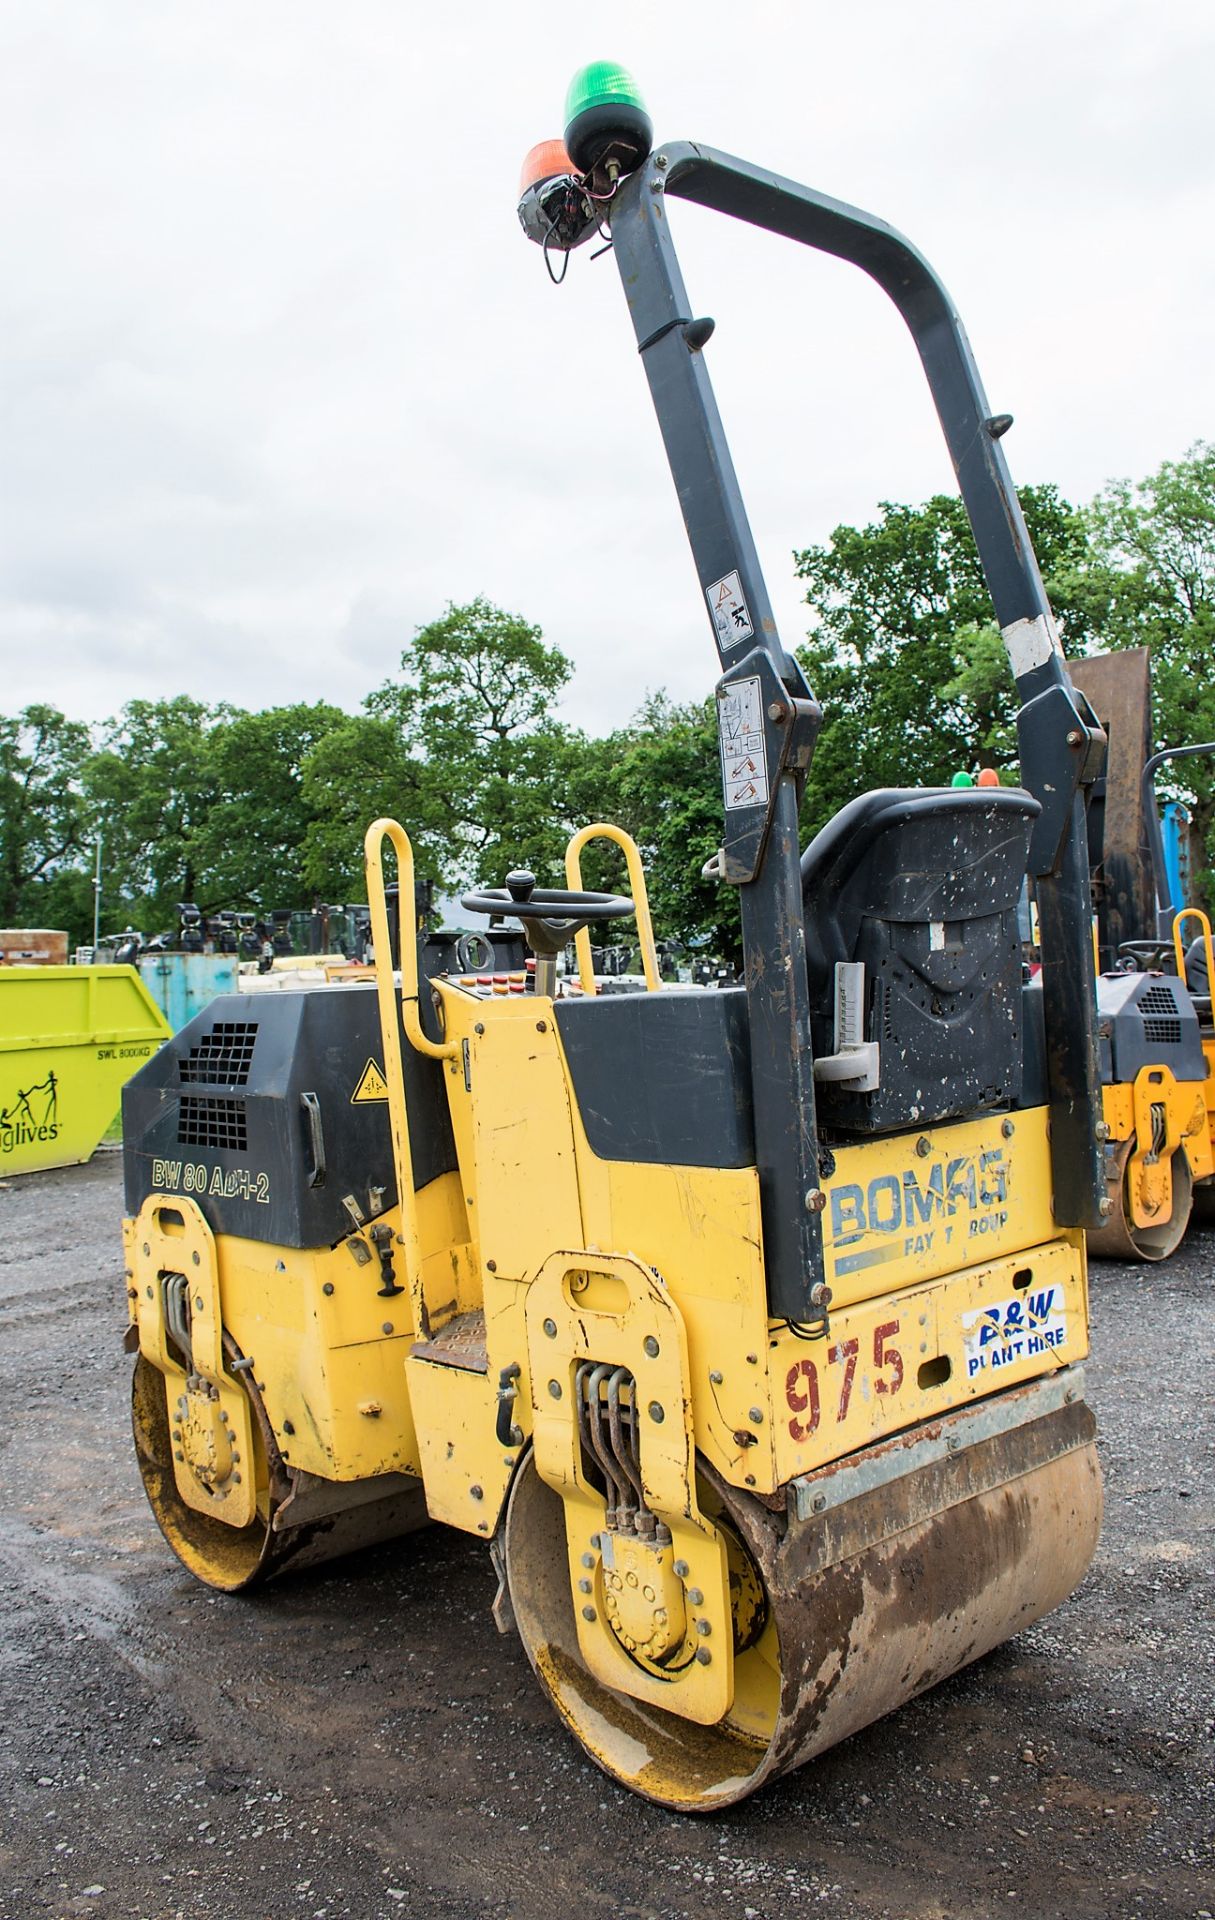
x,y
299,1521
838,1618
1121,1238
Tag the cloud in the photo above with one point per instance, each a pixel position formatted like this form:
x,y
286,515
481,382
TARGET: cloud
x,y
280,376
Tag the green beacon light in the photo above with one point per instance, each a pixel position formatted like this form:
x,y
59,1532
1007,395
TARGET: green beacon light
x,y
962,780
606,124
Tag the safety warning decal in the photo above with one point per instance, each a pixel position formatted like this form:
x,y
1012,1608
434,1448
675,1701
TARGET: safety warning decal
x,y
730,615
372,1086
744,755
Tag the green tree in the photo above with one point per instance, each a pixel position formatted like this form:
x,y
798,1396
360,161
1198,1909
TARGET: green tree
x,y
660,779
249,843
153,786
980,702
357,772
474,706
65,898
43,821
902,654
1154,586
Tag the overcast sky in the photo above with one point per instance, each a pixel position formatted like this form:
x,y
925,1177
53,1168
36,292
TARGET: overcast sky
x,y
281,376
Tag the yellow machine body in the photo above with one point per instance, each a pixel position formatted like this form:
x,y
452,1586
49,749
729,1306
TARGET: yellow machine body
x,y
547,1292
1160,1154
744,1325
1151,1122
958,1217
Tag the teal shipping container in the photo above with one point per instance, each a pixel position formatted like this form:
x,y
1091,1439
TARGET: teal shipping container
x,y
182,984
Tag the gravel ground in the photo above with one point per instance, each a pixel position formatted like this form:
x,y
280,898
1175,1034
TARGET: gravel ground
x,y
360,1741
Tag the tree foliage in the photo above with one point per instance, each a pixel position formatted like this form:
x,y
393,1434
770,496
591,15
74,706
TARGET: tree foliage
x,y
152,786
359,771
1153,584
252,844
463,744
473,704
903,655
43,825
660,779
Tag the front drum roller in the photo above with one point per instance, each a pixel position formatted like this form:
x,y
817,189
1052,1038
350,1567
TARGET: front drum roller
x,y
863,1606
300,1521
1121,1238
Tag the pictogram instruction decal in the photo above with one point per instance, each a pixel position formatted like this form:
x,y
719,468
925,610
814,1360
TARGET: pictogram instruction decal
x,y
372,1086
744,756
730,613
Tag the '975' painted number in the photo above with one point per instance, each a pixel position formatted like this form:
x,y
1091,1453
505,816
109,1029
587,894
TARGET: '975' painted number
x,y
805,1396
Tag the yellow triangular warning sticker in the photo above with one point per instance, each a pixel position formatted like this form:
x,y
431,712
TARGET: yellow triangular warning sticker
x,y
372,1085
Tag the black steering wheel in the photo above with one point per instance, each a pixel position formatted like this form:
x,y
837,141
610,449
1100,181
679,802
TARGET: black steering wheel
x,y
475,952
550,915
1143,956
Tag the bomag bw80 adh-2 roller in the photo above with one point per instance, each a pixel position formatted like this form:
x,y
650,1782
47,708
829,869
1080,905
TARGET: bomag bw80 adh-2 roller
x,y
745,1326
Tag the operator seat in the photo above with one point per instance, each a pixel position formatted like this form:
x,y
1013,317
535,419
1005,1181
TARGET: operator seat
x,y
1196,969
921,886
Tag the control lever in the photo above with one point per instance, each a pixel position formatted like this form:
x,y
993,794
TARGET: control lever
x,y
506,1432
381,1238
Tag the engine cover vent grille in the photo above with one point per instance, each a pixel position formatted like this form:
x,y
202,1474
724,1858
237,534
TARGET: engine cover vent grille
x,y
1161,1020
222,1057
219,1124
1157,1000
1162,1033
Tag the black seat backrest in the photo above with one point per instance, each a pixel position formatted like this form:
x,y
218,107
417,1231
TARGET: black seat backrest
x,y
1196,969
921,885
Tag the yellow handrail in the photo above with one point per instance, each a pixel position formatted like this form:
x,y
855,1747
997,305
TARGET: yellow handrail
x,y
390,1031
1194,913
603,830
377,833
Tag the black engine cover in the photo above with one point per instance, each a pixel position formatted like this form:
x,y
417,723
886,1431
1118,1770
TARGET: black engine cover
x,y
220,1114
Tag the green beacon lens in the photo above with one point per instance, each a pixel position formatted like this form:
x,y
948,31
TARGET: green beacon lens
x,y
602,83
606,120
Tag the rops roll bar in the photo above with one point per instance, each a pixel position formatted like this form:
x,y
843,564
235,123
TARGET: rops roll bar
x,y
770,717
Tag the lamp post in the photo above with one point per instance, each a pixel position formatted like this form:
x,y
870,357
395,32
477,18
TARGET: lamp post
x,y
97,901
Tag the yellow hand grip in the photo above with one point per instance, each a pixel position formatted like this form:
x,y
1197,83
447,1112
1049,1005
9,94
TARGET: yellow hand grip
x,y
603,830
1194,913
377,833
390,1030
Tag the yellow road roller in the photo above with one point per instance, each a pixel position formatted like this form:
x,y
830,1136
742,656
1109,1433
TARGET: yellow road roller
x,y
745,1325
1153,997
